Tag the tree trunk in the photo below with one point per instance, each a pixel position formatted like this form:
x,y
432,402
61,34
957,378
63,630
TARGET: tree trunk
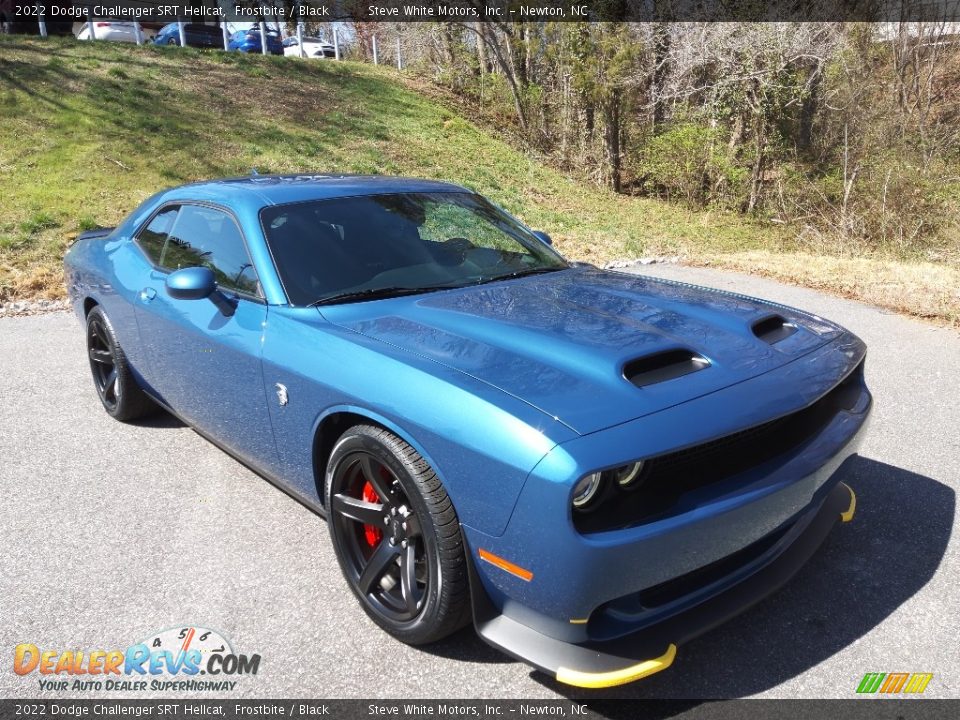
x,y
661,47
612,135
505,61
756,176
808,111
448,45
480,29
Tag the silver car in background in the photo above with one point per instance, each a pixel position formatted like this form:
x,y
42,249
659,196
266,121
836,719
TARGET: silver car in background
x,y
312,48
112,30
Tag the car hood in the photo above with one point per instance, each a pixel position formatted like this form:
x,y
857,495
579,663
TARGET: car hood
x,y
566,342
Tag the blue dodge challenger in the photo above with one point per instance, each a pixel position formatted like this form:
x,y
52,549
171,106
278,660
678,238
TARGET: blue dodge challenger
x,y
591,467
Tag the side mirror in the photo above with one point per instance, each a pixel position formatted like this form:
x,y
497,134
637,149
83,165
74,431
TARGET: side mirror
x,y
193,283
543,237
198,283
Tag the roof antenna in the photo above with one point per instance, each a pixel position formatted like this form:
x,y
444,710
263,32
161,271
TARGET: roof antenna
x,y
254,173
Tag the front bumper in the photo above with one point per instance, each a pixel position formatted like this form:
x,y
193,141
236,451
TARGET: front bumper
x,y
648,651
606,607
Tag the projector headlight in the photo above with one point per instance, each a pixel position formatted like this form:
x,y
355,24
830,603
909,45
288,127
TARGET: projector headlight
x,y
628,476
586,490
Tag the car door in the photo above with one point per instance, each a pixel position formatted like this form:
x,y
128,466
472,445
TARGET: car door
x,y
204,364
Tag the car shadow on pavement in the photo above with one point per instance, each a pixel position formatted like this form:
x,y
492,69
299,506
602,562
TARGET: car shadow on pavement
x,y
466,646
864,571
159,420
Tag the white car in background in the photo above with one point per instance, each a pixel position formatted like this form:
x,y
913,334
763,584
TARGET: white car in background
x,y
112,30
312,48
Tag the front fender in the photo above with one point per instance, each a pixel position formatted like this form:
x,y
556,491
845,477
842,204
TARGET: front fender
x,y
482,442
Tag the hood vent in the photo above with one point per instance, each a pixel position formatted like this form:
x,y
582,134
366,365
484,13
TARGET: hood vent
x,y
773,329
663,366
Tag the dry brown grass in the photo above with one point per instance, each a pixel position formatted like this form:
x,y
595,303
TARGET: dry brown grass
x,y
924,290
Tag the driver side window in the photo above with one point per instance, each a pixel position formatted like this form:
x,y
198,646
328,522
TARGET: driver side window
x,y
200,236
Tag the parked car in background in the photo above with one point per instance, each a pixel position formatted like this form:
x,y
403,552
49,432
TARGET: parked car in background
x,y
58,23
111,30
248,41
312,48
198,36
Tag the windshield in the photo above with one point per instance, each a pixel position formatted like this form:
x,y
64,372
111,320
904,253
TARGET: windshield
x,y
376,245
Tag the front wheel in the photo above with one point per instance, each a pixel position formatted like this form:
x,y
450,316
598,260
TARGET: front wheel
x,y
396,536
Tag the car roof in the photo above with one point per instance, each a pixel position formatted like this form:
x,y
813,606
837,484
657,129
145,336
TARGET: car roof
x,y
265,190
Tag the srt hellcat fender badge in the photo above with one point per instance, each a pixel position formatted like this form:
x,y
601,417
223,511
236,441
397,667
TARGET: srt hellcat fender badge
x,y
282,394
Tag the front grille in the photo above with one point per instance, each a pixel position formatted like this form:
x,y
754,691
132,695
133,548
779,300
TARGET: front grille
x,y
667,478
694,580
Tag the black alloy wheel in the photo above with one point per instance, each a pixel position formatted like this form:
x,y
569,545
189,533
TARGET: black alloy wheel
x,y
116,386
396,536
102,364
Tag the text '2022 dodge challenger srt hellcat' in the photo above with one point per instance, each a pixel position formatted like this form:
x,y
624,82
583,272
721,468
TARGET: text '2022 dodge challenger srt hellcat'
x,y
593,467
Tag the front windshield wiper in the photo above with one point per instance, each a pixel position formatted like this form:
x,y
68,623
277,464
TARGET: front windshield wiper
x,y
519,273
398,290
377,293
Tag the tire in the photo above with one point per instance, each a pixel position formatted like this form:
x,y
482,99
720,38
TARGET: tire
x,y
121,396
173,41
402,556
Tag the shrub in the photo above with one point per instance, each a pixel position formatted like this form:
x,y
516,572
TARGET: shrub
x,y
689,162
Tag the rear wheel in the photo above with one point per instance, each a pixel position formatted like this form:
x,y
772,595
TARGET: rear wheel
x,y
396,536
116,386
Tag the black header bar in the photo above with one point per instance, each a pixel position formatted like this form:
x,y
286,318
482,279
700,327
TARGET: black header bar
x,y
589,708
284,11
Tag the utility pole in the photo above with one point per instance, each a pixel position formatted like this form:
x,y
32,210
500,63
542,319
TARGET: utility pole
x,y
41,21
263,37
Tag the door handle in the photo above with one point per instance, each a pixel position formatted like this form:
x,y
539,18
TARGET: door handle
x,y
147,294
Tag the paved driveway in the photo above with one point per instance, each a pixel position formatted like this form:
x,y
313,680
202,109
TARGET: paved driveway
x,y
112,532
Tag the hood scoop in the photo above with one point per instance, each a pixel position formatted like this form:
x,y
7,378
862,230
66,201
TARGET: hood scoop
x,y
773,329
663,366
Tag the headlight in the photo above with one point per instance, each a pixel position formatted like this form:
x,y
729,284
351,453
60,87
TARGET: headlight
x,y
586,490
628,475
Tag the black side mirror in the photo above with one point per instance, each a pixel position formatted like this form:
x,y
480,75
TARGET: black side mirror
x,y
198,283
543,237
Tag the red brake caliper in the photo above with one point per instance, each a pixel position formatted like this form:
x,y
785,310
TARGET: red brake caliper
x,y
372,533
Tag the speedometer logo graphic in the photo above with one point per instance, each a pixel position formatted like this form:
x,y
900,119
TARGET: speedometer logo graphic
x,y
185,638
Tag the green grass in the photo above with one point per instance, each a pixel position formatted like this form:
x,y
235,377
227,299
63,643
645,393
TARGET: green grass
x,y
87,131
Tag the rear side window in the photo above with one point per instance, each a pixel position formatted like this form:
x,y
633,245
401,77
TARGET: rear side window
x,y
154,236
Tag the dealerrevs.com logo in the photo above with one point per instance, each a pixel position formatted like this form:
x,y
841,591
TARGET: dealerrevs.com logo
x,y
894,683
178,659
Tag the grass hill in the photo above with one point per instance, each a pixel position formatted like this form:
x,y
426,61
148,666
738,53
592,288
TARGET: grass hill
x,y
88,130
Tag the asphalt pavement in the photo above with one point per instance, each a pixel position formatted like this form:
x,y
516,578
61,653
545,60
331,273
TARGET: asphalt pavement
x,y
111,533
